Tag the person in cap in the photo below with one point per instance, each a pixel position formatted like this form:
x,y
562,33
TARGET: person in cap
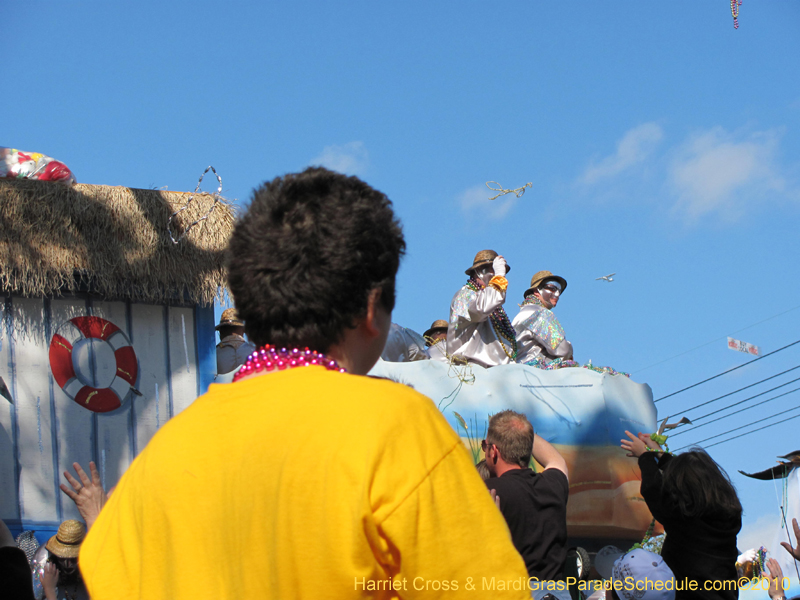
x,y
304,478
635,575
436,340
480,331
232,349
57,565
534,505
541,340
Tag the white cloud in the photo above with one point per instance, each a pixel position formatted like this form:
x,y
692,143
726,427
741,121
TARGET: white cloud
x,y
635,146
475,201
760,532
716,171
351,158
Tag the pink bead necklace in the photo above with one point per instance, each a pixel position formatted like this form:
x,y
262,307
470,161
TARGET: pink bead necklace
x,y
269,358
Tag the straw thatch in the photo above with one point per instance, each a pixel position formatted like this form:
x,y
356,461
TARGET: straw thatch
x,y
112,242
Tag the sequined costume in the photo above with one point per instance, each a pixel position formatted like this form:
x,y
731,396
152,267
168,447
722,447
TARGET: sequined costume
x,y
472,335
540,338
404,345
438,351
232,352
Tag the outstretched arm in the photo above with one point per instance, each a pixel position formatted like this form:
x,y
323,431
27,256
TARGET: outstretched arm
x,y
546,455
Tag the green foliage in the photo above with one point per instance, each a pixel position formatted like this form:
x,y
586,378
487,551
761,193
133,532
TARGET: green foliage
x,y
472,439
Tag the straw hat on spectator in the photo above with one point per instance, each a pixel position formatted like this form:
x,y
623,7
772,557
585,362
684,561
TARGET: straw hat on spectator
x,y
66,543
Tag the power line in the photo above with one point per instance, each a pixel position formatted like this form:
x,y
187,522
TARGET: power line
x,y
736,437
739,390
736,413
749,362
748,425
777,387
714,340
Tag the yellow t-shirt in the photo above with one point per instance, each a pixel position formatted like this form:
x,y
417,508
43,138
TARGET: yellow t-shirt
x,y
305,483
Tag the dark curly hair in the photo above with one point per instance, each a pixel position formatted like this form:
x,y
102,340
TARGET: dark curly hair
x,y
698,486
307,253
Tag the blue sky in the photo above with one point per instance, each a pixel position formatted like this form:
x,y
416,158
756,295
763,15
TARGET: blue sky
x,y
661,144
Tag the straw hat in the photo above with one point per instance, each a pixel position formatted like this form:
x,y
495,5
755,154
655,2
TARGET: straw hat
x,y
484,257
67,542
438,325
229,318
543,276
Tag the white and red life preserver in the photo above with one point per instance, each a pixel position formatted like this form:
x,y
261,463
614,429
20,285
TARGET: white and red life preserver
x,y
94,363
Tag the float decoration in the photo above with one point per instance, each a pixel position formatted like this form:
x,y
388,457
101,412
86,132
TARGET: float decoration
x,y
16,164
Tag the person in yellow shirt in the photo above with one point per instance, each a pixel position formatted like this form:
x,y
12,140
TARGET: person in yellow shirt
x,y
304,478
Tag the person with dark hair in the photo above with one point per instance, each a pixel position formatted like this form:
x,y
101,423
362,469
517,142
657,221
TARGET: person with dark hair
x,y
533,504
56,564
304,478
541,339
695,501
15,572
480,331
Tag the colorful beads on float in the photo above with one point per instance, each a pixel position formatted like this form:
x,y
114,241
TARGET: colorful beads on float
x,y
500,322
270,358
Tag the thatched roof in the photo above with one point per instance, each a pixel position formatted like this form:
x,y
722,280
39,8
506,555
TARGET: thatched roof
x,y
111,241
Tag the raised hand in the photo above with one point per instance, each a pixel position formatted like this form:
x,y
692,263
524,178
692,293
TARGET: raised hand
x,y
795,552
88,495
634,445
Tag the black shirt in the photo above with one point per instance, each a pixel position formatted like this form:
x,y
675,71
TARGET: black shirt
x,y
701,548
535,508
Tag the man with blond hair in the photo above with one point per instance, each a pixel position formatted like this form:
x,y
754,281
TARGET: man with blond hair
x,y
533,504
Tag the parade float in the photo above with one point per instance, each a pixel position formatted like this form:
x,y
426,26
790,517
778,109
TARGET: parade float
x,y
107,332
583,411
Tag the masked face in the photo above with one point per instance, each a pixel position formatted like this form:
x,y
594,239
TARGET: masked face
x,y
484,273
549,293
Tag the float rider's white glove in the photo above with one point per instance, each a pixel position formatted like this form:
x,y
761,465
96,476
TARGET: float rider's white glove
x,y
499,266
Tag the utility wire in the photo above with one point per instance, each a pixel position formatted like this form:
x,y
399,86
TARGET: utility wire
x,y
739,390
728,371
747,425
736,437
777,387
714,340
736,413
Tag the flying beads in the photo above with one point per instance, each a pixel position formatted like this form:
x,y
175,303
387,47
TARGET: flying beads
x,y
204,217
735,4
518,192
